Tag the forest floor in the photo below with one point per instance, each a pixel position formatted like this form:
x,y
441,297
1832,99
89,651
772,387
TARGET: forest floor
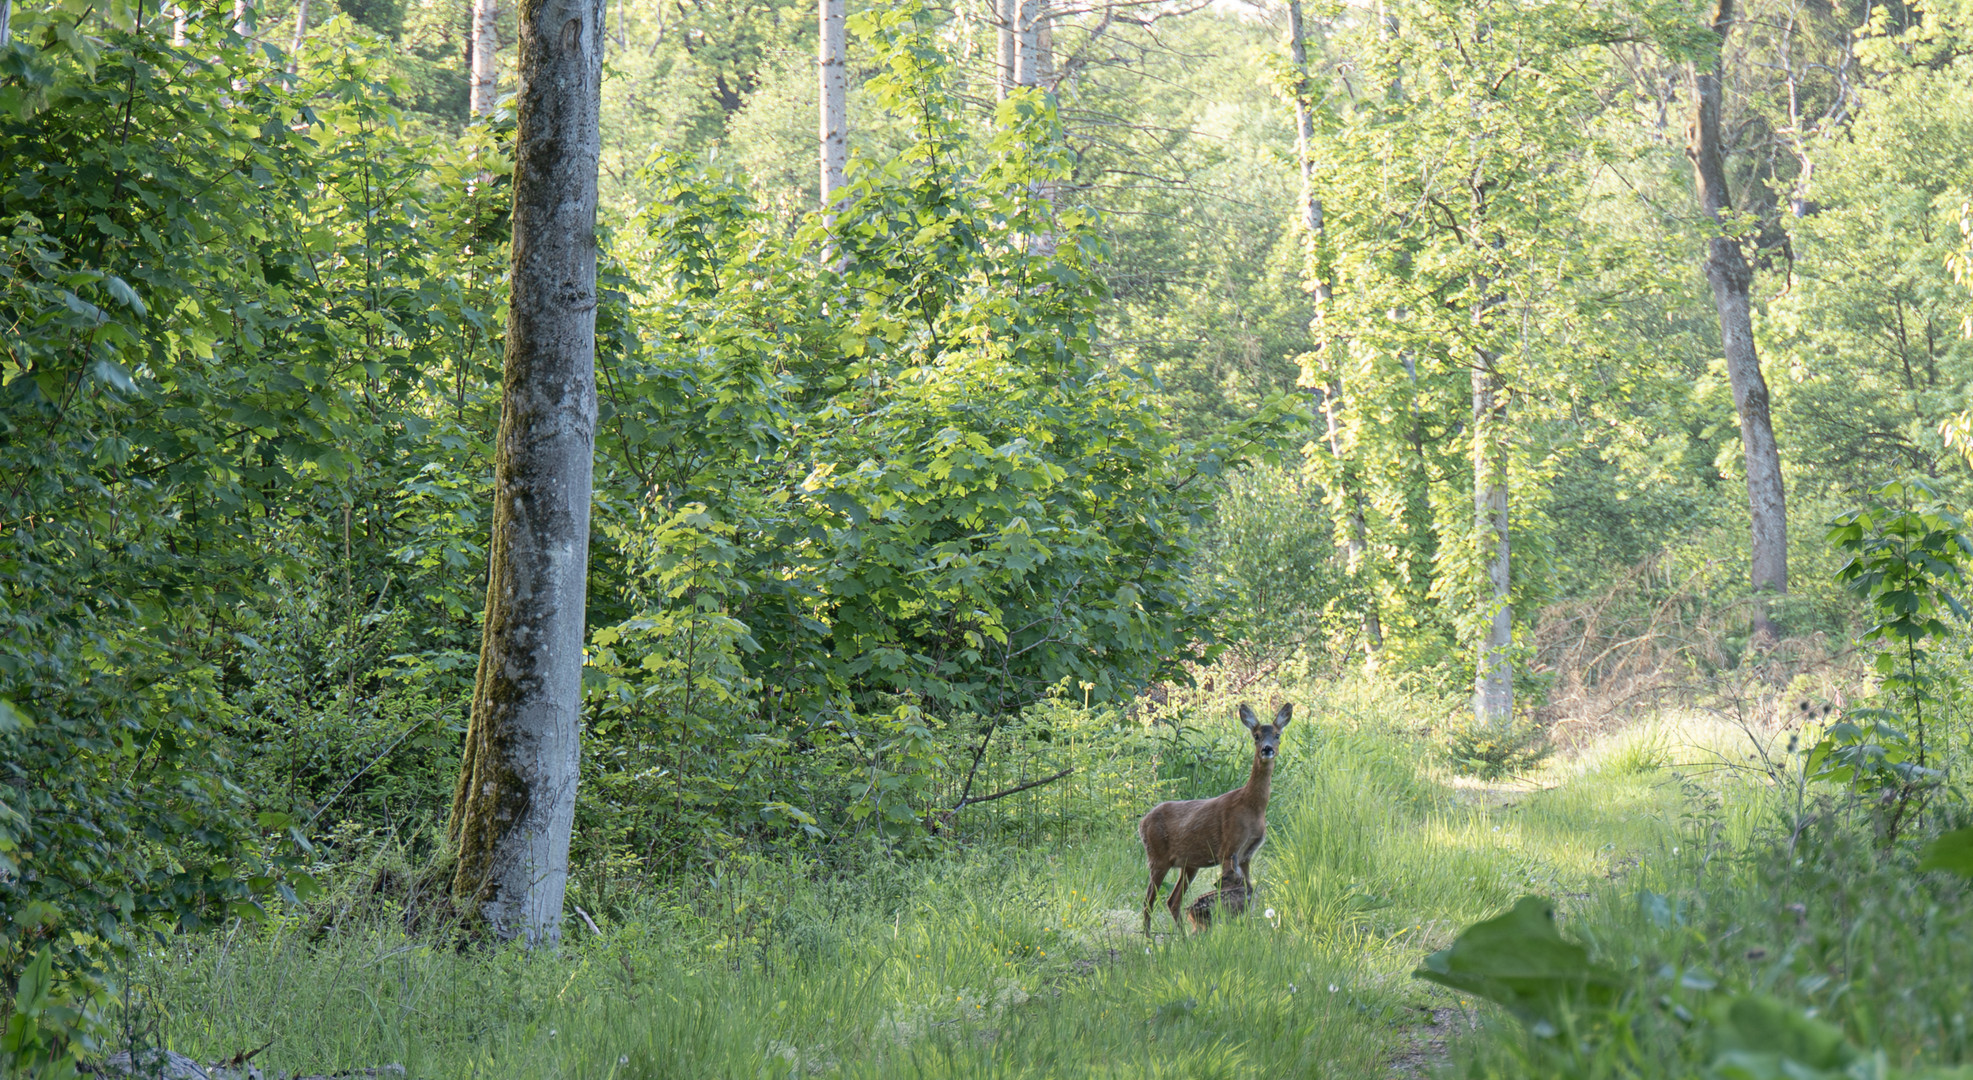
x,y
986,961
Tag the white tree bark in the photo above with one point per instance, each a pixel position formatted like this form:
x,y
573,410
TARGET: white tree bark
x,y
178,18
1029,15
485,49
515,803
1732,281
300,38
243,17
1031,68
834,112
6,19
1007,15
1493,683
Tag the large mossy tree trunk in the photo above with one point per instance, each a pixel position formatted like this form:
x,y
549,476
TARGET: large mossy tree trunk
x,y
1732,281
515,802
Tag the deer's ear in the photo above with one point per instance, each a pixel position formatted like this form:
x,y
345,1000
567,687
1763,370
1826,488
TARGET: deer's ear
x,y
1248,718
1286,714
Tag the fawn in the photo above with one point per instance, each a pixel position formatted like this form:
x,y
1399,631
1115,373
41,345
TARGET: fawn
x,y
1226,829
1230,897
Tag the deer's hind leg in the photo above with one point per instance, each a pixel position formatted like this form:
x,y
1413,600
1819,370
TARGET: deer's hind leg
x,y
1177,900
1151,894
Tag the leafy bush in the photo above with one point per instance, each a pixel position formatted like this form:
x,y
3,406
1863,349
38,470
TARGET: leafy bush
x,y
1905,563
1269,561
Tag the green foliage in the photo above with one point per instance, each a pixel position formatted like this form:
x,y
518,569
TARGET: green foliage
x,y
1950,851
216,325
1270,559
1459,212
47,1031
879,483
1518,959
1904,563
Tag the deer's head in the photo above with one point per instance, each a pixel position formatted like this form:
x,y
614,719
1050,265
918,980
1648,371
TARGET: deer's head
x,y
1267,737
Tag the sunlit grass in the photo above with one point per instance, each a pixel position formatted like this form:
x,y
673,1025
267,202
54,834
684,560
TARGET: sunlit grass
x,y
980,963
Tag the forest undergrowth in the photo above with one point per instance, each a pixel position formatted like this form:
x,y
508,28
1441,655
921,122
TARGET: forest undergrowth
x,y
995,960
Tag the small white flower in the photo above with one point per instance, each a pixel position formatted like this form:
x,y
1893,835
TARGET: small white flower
x,y
1269,913
1333,988
1674,851
1291,988
624,1059
551,1033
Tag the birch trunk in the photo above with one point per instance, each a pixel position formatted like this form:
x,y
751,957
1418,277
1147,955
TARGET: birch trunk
x,y
1356,542
834,118
1028,17
242,17
1493,682
301,36
1007,14
178,19
515,802
6,19
1732,281
483,50
1031,64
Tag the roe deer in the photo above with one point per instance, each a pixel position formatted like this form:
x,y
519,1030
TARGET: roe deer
x,y
1230,897
1225,829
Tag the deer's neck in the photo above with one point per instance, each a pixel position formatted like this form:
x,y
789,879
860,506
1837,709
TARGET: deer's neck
x,y
1259,780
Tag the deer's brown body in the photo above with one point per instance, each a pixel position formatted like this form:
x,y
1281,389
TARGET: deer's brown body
x,y
1189,835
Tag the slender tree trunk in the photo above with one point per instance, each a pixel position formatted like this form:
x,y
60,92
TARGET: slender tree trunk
x,y
1732,281
1357,541
6,20
515,802
1031,67
301,36
178,18
1044,46
483,51
1493,683
1029,15
835,89
1007,15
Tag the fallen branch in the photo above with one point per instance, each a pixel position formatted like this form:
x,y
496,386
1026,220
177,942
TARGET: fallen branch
x,y
963,803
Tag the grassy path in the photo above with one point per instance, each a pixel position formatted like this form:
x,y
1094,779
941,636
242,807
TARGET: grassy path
x,y
987,965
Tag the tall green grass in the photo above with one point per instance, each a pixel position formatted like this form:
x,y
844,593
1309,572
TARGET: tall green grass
x,y
988,960
1792,897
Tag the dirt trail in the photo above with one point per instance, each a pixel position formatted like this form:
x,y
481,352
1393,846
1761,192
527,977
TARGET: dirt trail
x,y
1428,1045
